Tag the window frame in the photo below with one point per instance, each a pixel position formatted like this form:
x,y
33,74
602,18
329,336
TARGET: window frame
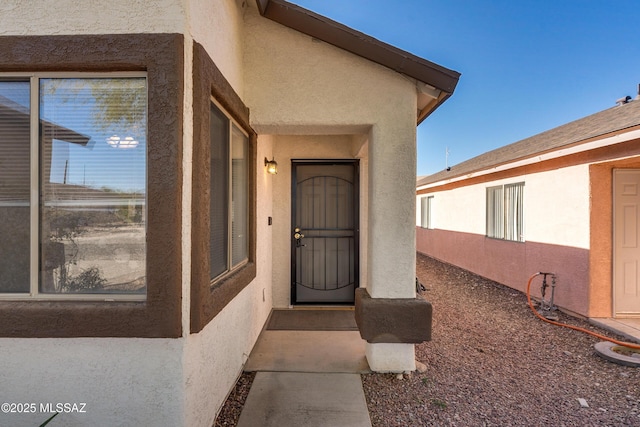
x,y
498,212
36,193
209,297
231,124
161,56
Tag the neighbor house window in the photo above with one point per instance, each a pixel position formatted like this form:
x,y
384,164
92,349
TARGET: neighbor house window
x,y
228,210
505,212
426,206
73,186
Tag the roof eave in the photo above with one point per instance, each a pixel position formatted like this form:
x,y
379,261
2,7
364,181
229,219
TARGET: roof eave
x,y
432,106
343,37
610,138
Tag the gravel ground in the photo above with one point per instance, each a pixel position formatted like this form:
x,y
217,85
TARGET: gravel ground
x,y
492,363
230,412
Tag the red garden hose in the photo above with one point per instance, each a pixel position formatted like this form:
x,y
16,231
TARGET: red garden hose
x,y
575,328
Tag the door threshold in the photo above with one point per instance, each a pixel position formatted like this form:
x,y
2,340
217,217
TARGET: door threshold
x,y
320,307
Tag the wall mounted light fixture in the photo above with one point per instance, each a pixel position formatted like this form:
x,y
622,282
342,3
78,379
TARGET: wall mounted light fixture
x,y
272,166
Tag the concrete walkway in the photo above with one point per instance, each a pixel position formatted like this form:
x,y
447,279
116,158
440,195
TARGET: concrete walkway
x,y
628,328
308,351
307,379
311,378
299,399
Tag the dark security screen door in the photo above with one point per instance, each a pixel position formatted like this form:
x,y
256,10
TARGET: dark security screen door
x,y
324,232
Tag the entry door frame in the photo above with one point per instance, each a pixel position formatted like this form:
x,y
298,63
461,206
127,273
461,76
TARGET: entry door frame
x,y
356,206
618,226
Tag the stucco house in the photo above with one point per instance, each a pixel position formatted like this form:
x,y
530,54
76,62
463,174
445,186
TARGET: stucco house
x,y
564,201
144,241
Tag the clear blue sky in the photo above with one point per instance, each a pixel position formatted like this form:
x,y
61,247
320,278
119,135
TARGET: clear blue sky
x,y
527,65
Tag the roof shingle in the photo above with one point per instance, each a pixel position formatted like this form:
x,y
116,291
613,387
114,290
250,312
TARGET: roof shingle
x,y
599,124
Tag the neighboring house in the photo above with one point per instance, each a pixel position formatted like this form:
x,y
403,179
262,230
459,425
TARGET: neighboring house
x,y
146,260
565,201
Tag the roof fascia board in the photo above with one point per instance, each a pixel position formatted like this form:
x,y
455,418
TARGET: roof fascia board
x,y
343,37
541,157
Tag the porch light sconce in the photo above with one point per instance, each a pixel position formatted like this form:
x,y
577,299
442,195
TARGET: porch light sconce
x,y
271,165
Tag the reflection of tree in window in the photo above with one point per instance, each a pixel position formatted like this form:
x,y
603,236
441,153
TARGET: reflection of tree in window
x,y
124,105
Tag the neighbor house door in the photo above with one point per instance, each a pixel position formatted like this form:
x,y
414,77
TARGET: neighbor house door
x,y
324,232
626,244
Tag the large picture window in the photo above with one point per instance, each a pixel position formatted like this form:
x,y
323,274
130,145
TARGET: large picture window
x,y
229,195
505,212
73,186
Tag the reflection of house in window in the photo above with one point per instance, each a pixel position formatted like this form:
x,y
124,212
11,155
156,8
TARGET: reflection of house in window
x,y
15,186
14,196
14,149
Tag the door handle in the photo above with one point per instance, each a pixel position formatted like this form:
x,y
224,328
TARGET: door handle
x,y
298,236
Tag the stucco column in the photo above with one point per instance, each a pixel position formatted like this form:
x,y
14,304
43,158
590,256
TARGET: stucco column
x,y
391,217
392,186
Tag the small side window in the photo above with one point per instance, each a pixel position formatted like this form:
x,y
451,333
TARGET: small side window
x,y
426,208
229,215
505,212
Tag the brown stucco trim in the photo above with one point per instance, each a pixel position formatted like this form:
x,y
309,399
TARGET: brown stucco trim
x,y
161,56
392,320
343,37
207,298
624,149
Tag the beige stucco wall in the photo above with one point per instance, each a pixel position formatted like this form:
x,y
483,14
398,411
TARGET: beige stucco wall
x,y
219,27
58,17
556,207
452,210
130,381
297,85
214,358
